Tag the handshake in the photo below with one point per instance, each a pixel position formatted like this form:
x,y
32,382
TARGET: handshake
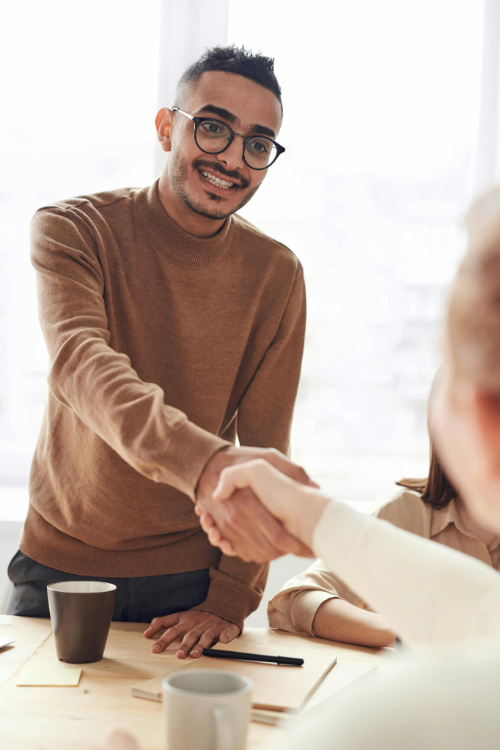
x,y
258,505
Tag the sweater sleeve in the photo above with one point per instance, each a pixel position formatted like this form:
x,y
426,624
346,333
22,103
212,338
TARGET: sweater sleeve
x,y
266,410
264,420
433,596
236,589
96,382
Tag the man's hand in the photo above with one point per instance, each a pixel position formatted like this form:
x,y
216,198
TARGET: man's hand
x,y
295,505
242,524
200,630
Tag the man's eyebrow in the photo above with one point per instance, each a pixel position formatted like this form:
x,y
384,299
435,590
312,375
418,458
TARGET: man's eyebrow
x,y
230,117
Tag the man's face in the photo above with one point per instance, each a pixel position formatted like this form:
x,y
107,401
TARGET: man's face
x,y
217,185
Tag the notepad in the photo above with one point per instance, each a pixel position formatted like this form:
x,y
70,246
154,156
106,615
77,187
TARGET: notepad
x,y
6,642
276,687
48,677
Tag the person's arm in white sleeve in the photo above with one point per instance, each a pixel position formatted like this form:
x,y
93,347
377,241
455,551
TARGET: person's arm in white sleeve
x,y
432,596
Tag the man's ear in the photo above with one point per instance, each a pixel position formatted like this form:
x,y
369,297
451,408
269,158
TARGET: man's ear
x,y
486,406
163,124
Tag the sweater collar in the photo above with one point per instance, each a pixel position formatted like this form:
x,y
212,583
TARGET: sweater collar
x,y
173,241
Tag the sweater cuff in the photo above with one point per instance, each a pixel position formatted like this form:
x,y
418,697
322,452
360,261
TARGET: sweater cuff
x,y
233,605
190,448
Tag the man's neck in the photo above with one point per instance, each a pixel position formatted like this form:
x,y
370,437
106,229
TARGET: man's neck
x,y
187,219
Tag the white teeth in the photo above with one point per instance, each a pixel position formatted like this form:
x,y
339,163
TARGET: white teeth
x,y
217,181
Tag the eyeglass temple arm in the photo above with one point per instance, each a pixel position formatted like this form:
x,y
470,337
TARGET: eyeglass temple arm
x,y
177,109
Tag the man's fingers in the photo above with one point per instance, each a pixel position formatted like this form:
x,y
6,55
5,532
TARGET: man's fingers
x,y
229,635
244,522
199,630
206,521
160,623
227,548
191,639
214,536
205,640
214,635
168,637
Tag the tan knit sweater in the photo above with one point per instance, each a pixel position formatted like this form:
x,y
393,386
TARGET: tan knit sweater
x,y
163,348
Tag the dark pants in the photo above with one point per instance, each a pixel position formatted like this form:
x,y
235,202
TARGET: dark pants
x,y
137,599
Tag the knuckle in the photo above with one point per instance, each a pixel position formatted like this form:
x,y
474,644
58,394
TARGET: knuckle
x,y
173,631
211,633
278,535
229,519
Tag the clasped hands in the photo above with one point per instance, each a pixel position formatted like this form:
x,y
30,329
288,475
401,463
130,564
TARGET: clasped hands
x,y
270,508
245,525
262,505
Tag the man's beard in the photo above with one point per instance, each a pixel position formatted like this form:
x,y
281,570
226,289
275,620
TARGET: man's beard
x,y
178,176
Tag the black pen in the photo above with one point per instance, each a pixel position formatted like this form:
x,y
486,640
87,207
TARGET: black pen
x,y
219,653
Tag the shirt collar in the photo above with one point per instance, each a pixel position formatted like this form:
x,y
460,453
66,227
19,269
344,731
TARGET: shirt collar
x,y
443,517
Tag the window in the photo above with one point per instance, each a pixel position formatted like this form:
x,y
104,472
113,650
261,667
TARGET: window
x,y
79,97
381,106
381,114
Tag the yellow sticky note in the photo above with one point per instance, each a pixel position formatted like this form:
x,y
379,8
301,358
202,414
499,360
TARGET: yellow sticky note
x,y
48,677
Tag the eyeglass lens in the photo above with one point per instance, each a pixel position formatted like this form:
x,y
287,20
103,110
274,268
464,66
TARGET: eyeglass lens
x,y
213,137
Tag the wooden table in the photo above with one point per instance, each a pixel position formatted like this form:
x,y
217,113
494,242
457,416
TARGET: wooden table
x,y
49,718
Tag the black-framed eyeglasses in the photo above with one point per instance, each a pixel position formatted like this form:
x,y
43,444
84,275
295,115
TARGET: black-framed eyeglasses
x,y
214,136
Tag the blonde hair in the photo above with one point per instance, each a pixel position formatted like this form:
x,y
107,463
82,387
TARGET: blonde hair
x,y
473,322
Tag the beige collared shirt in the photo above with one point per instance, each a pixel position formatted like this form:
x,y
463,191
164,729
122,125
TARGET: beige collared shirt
x,y
294,607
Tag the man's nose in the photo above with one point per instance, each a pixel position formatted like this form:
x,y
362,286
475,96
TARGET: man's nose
x,y
232,157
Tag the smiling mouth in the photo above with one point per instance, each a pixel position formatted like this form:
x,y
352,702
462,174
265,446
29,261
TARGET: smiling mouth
x,y
218,181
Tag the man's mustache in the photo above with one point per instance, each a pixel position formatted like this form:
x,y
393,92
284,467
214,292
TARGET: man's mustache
x,y
232,174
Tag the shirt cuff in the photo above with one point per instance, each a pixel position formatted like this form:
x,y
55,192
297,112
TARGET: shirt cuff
x,y
304,608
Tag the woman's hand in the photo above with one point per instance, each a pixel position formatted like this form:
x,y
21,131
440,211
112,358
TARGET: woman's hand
x,y
297,506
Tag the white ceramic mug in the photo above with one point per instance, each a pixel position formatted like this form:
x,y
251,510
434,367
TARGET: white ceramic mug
x,y
206,709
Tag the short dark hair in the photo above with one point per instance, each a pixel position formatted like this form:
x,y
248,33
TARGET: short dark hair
x,y
232,59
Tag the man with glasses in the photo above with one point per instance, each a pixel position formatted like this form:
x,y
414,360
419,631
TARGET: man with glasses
x,y
174,328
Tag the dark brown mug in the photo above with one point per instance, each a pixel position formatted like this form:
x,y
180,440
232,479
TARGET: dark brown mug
x,y
81,614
